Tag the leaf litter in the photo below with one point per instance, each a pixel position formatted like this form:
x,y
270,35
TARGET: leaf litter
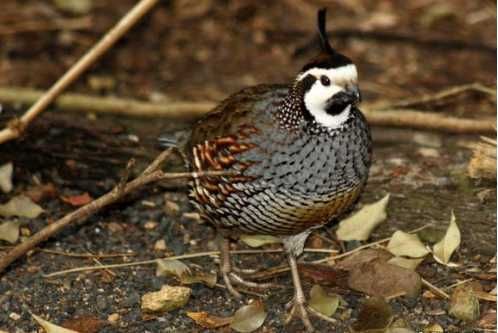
x,y
321,301
259,240
9,231
21,206
6,171
184,273
360,225
51,328
408,245
443,249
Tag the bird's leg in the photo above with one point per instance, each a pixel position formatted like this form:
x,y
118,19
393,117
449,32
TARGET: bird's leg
x,y
229,277
299,300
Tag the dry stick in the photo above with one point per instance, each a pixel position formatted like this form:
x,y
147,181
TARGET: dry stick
x,y
82,213
15,128
440,95
78,255
435,290
183,256
192,110
37,26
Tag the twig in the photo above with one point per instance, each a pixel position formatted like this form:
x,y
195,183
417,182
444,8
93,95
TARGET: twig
x,y
458,284
183,256
78,255
94,206
284,268
437,291
440,95
244,291
188,111
15,129
38,26
407,118
321,315
128,107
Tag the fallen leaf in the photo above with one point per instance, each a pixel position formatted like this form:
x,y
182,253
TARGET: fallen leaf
x,y
84,324
399,330
41,192
378,278
259,240
322,302
323,274
362,257
360,225
249,317
464,304
167,299
488,319
77,200
407,263
167,267
51,328
433,328
443,250
209,279
6,177
375,314
20,206
77,7
206,320
9,231
405,244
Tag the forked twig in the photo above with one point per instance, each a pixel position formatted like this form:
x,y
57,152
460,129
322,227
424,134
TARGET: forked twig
x,y
91,208
16,128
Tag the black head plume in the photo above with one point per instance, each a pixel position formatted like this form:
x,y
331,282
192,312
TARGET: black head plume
x,y
322,31
328,57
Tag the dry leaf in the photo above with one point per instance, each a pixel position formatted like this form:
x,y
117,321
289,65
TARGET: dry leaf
x,y
209,279
464,304
51,328
77,200
443,250
206,320
361,224
362,257
249,317
434,328
323,274
322,302
20,206
167,267
6,177
259,240
167,299
85,324
407,263
9,231
408,245
375,314
378,278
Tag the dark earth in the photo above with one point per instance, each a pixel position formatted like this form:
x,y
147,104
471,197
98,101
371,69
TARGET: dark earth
x,y
203,51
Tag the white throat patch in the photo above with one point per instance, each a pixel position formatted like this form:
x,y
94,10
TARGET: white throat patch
x,y
315,99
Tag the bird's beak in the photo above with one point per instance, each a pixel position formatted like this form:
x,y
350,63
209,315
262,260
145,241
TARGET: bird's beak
x,y
354,93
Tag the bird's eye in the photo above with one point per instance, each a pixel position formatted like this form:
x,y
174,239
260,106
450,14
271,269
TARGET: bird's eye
x,y
325,80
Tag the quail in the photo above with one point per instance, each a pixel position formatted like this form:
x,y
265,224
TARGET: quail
x,y
300,154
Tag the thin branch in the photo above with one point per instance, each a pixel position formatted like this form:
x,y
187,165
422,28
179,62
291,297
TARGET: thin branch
x,y
78,255
15,129
183,256
39,25
435,290
91,208
438,96
188,111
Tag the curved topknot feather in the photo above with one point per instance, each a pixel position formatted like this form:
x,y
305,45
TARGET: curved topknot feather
x,y
322,31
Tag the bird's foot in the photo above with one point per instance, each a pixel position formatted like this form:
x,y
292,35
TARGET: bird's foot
x,y
232,278
298,308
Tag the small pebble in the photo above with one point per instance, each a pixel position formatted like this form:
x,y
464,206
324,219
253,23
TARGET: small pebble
x,y
160,245
150,225
14,316
113,318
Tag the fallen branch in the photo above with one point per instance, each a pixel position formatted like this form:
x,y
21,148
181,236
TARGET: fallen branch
x,y
183,256
38,25
91,208
17,126
438,96
188,111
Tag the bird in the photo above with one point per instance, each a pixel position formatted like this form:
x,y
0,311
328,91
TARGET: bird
x,y
298,157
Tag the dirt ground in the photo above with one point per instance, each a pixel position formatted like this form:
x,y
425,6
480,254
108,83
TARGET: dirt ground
x,y
204,51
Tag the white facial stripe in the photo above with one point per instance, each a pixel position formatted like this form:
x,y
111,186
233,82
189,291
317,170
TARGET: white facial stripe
x,y
315,101
341,74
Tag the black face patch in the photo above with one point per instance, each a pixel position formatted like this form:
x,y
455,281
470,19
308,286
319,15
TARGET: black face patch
x,y
337,103
307,82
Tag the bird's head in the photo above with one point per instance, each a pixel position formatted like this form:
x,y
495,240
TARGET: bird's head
x,y
328,83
